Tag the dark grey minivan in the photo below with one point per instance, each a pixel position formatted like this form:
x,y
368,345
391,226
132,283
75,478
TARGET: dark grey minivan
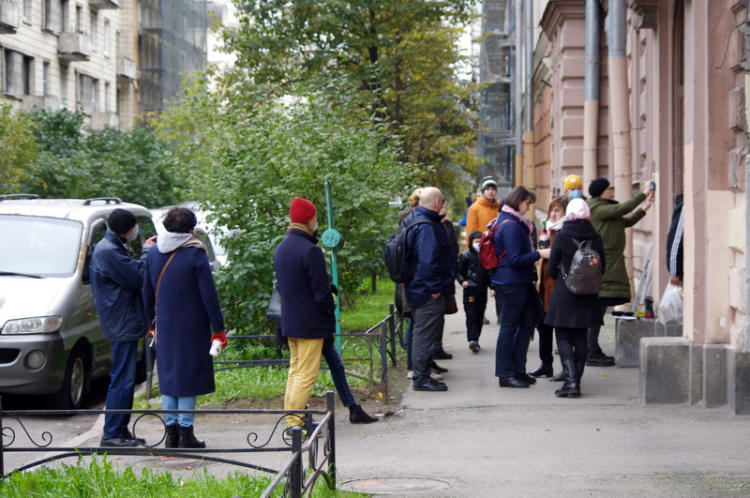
x,y
50,338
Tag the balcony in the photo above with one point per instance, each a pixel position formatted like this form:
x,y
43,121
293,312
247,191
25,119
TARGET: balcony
x,y
36,102
104,4
102,120
125,69
72,46
9,17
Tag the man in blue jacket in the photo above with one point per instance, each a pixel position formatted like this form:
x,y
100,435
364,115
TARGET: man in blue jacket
x,y
308,318
431,257
116,281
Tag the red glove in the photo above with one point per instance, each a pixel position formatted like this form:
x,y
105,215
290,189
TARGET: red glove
x,y
220,336
151,333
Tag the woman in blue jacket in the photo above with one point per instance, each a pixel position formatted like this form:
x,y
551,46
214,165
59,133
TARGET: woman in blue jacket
x,y
513,280
187,309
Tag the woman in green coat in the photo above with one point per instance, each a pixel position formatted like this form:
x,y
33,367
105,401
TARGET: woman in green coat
x,y
610,219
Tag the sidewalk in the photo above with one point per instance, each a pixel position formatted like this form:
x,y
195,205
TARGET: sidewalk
x,y
478,439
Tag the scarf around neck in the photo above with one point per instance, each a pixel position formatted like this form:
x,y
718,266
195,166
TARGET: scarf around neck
x,y
301,226
556,225
522,219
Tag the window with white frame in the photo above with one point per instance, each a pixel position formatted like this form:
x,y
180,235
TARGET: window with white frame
x,y
51,15
63,85
79,19
105,108
26,10
64,15
18,73
94,22
106,37
86,97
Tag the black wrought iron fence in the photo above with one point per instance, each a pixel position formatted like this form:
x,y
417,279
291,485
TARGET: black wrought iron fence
x,y
298,479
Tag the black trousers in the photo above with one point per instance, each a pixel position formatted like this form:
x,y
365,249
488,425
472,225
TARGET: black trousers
x,y
572,344
546,339
475,303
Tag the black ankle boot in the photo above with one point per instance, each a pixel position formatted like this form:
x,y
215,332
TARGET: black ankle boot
x,y
544,370
580,366
173,437
188,439
358,416
570,388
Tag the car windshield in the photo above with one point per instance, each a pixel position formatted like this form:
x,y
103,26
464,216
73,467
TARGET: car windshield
x,y
37,246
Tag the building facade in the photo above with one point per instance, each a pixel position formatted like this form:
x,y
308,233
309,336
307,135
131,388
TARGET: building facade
x,y
116,60
686,69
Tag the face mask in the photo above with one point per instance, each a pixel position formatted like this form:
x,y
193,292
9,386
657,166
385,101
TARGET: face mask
x,y
132,236
576,194
475,245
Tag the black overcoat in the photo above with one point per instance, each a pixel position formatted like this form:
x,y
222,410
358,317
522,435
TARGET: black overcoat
x,y
568,310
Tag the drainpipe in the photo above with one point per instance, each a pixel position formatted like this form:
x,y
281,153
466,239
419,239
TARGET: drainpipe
x,y
591,97
518,80
528,134
620,112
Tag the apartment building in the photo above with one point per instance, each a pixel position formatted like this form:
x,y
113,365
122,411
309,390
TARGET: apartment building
x,y
114,59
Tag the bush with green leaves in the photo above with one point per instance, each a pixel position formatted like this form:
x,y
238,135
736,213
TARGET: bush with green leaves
x,y
275,149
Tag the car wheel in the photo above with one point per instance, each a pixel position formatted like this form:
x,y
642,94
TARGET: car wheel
x,y
72,393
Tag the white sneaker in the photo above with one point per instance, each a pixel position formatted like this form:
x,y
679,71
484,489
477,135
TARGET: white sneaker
x,y
436,376
409,374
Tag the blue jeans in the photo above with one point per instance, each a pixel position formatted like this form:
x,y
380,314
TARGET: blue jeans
x,y
514,338
178,403
338,375
121,388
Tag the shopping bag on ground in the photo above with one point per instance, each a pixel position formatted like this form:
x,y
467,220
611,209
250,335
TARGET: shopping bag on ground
x,y
670,306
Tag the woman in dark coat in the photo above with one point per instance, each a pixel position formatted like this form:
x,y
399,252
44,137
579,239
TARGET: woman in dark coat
x,y
545,286
188,309
513,281
572,314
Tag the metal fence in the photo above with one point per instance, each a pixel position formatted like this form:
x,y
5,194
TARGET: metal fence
x,y
382,340
319,449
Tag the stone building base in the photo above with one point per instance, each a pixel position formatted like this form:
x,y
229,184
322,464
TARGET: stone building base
x,y
675,370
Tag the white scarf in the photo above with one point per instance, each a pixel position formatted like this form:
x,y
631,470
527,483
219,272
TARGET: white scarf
x,y
554,226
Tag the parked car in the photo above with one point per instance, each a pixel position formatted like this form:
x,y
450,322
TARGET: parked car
x,y
50,338
217,256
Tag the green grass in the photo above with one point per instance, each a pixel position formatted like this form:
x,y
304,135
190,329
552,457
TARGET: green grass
x,y
100,478
259,383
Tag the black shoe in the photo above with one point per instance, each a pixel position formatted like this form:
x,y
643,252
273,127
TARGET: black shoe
x,y
474,346
188,439
485,321
130,437
512,381
542,371
358,416
173,437
559,377
599,359
430,385
525,377
118,442
440,354
437,368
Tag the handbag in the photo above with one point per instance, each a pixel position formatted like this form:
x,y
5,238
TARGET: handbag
x,y
273,313
152,344
451,307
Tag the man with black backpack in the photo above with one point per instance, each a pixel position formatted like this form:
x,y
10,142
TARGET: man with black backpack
x,y
433,264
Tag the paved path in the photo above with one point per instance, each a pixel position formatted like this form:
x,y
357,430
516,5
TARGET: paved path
x,y
478,439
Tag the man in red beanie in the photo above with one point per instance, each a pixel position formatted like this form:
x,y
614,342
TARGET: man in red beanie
x,y
306,292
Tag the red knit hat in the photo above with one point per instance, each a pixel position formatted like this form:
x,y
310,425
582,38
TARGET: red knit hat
x,y
301,210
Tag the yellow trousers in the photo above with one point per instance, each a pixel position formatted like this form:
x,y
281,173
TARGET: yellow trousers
x,y
304,366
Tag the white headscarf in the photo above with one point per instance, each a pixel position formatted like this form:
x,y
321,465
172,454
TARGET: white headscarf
x,y
577,210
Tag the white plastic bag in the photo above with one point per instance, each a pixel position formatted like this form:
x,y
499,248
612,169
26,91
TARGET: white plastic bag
x,y
670,306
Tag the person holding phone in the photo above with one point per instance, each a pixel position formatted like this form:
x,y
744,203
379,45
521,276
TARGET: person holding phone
x,y
610,219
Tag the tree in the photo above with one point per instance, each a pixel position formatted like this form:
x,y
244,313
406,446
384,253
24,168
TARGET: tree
x,y
17,149
272,150
402,52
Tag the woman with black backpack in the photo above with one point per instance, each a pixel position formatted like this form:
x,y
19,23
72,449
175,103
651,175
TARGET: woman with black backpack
x,y
571,313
